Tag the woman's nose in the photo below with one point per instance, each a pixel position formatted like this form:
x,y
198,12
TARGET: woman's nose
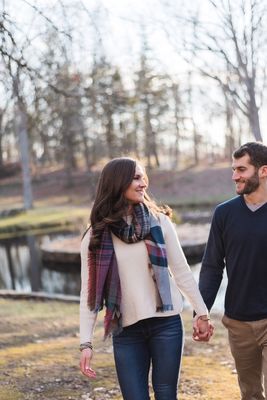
x,y
143,183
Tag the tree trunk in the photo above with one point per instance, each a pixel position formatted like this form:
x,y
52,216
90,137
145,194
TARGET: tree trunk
x,y
110,134
254,121
1,139
134,135
148,134
154,147
176,154
229,135
86,151
68,162
196,142
21,127
1,152
46,158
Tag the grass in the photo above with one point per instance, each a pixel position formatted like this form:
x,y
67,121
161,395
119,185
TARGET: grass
x,y
43,219
39,357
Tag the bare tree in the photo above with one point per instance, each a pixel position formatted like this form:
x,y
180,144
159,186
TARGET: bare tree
x,y
152,94
22,134
14,53
2,133
234,36
177,121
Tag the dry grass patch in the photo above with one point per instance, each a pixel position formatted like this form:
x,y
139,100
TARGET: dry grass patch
x,y
39,357
205,378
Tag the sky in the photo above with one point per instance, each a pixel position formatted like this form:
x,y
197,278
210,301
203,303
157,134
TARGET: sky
x,y
122,24
118,21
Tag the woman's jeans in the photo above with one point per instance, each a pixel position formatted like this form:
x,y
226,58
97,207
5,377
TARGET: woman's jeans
x,y
157,341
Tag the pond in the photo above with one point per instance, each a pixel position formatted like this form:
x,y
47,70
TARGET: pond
x,y
22,269
219,302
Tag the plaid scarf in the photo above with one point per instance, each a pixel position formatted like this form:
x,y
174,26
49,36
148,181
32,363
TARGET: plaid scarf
x,y
104,283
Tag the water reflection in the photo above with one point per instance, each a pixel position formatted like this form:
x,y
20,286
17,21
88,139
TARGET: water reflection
x,y
219,302
21,267
34,257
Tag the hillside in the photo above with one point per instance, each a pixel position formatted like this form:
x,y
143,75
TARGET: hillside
x,y
195,186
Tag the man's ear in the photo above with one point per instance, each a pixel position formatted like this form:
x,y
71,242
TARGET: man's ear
x,y
263,171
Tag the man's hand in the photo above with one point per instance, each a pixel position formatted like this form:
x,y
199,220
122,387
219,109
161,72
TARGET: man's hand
x,y
202,329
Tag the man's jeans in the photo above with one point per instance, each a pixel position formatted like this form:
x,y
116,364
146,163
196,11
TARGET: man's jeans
x,y
157,341
248,343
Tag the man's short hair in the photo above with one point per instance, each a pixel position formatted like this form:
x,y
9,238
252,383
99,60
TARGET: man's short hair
x,y
256,151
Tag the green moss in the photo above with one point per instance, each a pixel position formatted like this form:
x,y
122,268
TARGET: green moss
x,y
41,220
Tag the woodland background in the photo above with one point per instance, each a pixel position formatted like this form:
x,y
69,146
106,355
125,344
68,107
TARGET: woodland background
x,y
172,84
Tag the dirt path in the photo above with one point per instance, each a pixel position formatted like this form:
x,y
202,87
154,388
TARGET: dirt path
x,y
39,357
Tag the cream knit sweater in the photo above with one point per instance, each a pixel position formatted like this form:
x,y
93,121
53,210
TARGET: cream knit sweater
x,y
139,294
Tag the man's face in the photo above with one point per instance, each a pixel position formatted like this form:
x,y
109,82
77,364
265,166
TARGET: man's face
x,y
245,175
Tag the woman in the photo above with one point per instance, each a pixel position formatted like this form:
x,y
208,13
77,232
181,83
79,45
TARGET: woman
x,y
133,265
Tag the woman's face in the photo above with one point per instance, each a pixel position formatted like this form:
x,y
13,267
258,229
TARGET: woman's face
x,y
135,193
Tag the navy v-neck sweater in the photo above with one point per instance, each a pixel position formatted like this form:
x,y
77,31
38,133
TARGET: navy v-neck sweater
x,y
237,241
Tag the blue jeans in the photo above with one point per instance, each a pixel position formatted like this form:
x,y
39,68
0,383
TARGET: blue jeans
x,y
157,341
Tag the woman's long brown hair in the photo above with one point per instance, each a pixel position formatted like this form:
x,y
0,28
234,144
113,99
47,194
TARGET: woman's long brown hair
x,y
110,204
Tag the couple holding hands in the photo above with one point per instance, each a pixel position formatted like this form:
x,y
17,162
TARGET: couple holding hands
x,y
132,264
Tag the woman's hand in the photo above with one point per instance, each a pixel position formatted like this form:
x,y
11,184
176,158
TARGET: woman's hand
x,y
85,362
202,329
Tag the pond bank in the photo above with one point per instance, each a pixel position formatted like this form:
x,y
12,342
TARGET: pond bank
x,y
37,296
42,220
193,238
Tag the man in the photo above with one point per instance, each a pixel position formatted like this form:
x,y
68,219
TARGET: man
x,y
238,241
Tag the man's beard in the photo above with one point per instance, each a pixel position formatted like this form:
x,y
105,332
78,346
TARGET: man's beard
x,y
251,185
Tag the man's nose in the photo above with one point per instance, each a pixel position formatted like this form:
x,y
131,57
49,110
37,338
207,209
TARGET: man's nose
x,y
235,176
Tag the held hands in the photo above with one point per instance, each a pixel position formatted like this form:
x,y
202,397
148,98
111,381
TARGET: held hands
x,y
85,361
202,329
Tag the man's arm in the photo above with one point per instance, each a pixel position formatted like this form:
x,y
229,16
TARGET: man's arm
x,y
213,264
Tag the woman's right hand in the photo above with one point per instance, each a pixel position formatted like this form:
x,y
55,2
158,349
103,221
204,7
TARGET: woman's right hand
x,y
85,361
202,329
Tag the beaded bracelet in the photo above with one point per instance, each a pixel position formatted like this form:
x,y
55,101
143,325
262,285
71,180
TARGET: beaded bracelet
x,y
86,345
